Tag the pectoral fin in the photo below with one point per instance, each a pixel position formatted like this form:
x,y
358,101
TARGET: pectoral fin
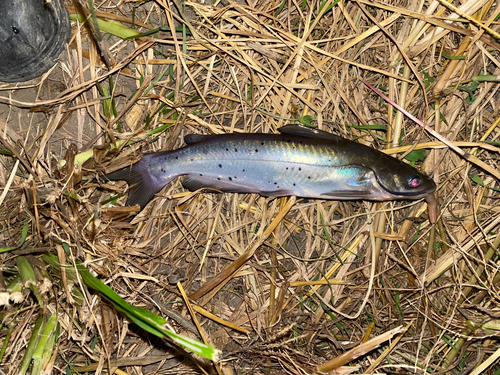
x,y
355,182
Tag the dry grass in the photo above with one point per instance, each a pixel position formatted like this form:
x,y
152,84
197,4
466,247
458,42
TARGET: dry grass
x,y
425,293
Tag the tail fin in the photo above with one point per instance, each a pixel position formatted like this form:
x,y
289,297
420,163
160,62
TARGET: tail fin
x,y
143,186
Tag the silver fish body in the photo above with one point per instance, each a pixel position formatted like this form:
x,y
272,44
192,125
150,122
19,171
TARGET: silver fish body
x,y
300,161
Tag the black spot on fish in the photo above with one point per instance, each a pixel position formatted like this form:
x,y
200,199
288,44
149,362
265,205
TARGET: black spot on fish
x,y
309,177
256,150
227,149
293,184
220,165
275,183
288,141
300,169
201,175
176,158
235,150
243,170
230,179
191,159
262,143
287,168
235,177
218,178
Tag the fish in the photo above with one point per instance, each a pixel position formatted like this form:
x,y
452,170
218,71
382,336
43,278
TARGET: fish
x,y
299,161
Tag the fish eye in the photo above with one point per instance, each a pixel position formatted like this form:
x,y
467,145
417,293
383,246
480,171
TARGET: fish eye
x,y
414,181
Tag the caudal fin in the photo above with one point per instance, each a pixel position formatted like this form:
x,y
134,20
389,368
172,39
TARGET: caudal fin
x,y
143,186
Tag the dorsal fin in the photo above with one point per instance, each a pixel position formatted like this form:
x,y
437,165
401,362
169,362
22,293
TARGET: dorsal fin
x,y
195,138
303,131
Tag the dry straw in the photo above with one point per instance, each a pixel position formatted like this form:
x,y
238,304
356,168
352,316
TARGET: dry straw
x,y
278,285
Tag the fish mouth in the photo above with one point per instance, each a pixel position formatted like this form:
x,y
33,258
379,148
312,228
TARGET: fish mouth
x,y
414,195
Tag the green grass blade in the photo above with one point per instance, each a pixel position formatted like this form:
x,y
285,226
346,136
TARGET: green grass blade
x,y
4,249
45,346
28,276
32,344
155,322
6,342
24,234
145,319
93,19
110,27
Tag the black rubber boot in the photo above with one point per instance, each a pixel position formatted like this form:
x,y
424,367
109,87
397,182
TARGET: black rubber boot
x,y
33,33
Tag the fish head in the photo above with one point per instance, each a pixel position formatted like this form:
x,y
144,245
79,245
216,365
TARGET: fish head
x,y
404,181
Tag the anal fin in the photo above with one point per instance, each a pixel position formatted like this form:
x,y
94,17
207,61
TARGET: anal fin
x,y
192,182
276,193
